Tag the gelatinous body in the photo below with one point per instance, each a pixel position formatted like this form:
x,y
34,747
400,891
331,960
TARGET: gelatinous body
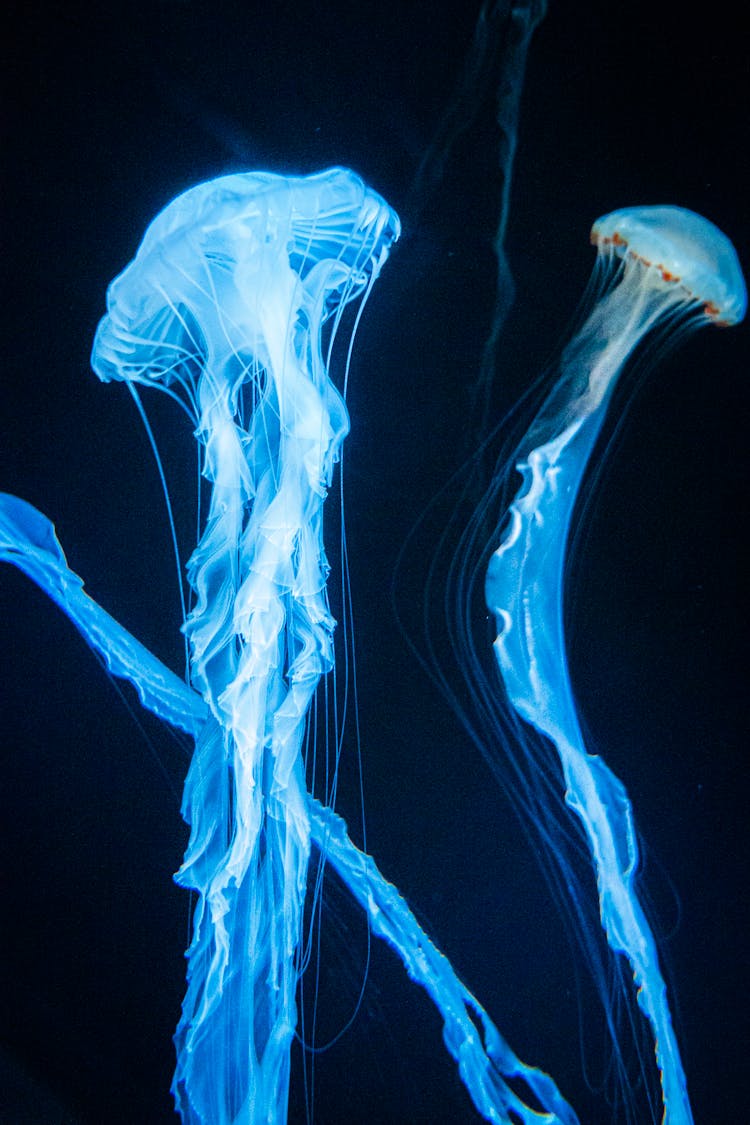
x,y
669,263
685,249
224,307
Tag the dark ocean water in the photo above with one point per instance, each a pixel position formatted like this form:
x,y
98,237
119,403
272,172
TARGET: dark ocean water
x,y
111,112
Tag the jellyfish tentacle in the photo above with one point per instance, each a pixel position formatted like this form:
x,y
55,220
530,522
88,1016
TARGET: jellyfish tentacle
x,y
487,1065
28,540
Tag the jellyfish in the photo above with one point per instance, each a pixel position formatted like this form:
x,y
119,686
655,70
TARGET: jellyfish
x,y
231,307
224,308
660,266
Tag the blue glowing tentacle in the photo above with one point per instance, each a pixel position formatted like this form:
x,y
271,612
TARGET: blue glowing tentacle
x,y
28,540
487,1065
525,593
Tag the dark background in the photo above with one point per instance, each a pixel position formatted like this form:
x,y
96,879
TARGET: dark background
x,y
110,111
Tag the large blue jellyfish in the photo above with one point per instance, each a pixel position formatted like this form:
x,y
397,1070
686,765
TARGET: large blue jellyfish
x,y
224,308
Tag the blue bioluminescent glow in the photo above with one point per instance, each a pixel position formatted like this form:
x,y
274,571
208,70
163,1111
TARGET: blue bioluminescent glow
x,y
487,1065
661,263
224,308
526,526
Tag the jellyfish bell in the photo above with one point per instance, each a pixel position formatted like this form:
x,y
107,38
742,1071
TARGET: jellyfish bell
x,y
216,263
682,249
656,267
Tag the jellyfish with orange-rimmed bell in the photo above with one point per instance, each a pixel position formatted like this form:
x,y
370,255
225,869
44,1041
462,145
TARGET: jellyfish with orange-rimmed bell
x,y
661,267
